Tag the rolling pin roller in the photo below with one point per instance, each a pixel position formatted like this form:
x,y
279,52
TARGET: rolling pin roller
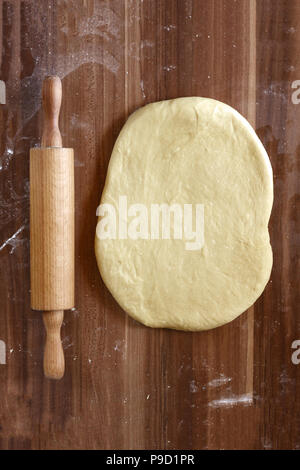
x,y
52,228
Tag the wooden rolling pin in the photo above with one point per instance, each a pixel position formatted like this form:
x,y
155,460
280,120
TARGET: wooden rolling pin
x,y
52,228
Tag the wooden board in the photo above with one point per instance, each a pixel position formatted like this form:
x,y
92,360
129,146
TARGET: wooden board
x,y
128,386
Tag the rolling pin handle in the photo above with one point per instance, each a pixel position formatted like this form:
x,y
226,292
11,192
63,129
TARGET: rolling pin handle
x,y
54,361
52,95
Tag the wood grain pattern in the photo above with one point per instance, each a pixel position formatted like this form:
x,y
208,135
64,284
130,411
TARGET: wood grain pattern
x,y
128,386
52,228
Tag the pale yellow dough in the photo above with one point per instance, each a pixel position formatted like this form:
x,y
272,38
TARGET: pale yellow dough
x,y
190,151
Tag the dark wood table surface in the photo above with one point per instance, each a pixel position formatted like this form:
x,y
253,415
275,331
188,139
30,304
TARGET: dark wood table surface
x,y
127,386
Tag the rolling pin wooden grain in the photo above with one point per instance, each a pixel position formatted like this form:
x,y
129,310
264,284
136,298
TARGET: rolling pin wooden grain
x,y
52,228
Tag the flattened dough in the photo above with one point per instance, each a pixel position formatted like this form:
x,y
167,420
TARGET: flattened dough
x,y
190,151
